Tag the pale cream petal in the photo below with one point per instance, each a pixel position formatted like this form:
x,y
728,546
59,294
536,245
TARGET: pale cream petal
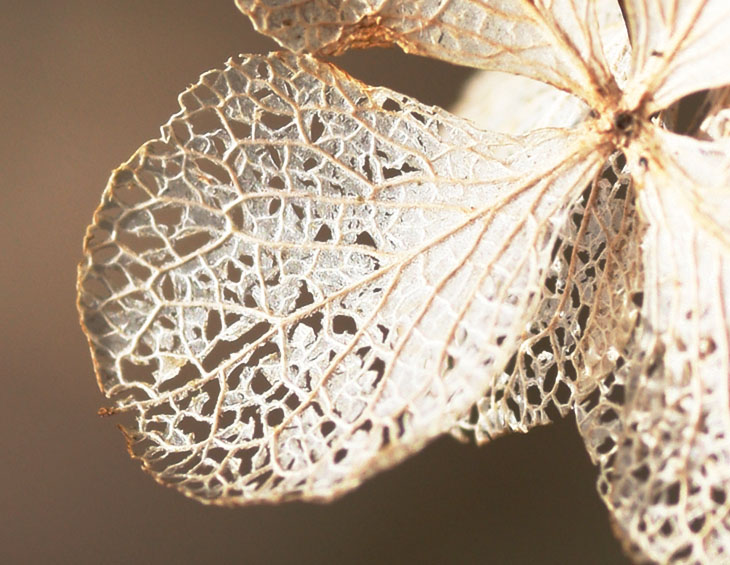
x,y
660,426
679,47
305,279
554,41
585,317
516,105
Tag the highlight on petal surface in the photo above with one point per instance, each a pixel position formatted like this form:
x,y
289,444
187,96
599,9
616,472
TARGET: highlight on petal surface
x,y
659,426
516,105
305,279
679,47
556,42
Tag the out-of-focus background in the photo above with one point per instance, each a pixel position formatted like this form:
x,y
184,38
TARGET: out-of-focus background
x,y
84,83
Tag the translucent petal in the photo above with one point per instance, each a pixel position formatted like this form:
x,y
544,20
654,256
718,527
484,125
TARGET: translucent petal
x,y
555,41
659,427
679,47
305,279
516,105
585,315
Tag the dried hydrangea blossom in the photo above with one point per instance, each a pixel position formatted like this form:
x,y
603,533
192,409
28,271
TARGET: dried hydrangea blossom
x,y
305,279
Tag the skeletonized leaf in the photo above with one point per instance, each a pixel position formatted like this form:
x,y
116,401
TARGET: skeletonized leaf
x,y
585,315
664,451
305,279
556,42
679,47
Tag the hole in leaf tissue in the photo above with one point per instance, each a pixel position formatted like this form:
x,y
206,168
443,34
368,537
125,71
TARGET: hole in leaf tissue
x,y
275,417
241,130
617,395
212,325
340,454
262,352
682,553
366,426
673,493
696,524
227,419
191,243
186,374
563,393
298,211
138,243
344,324
313,321
246,457
274,205
364,238
211,389
666,528
273,153
324,234
233,378
608,416
214,170
718,495
138,372
390,173
391,105
277,183
305,298
551,376
205,121
251,414
261,480
259,383
378,365
233,273
168,216
606,446
533,395
223,349
641,474
279,393
316,128
197,429
292,401
514,408
274,121
326,428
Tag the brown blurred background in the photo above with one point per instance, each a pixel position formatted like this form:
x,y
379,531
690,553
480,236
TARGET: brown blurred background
x,y
84,83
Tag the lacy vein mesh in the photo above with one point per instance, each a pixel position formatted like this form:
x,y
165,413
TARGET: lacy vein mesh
x,y
586,310
304,279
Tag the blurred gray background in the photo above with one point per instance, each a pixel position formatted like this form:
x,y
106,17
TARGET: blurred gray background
x,y
84,83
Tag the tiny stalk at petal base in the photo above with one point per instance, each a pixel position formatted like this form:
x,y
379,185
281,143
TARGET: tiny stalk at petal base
x,y
305,279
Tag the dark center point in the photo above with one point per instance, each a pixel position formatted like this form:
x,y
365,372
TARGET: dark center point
x,y
623,121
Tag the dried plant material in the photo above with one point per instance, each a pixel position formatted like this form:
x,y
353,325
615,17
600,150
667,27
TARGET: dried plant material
x,y
321,280
558,45
531,105
305,279
679,47
665,453
567,348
